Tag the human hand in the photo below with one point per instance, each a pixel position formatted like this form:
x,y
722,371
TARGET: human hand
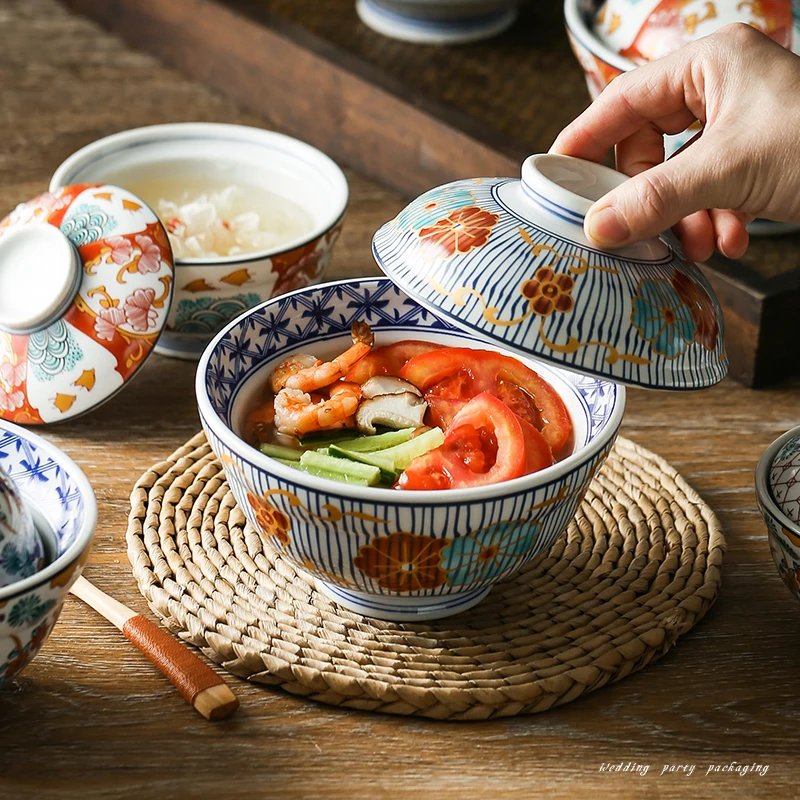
x,y
745,90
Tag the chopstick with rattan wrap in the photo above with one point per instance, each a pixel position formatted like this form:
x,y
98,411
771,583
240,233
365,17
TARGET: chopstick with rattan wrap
x,y
196,681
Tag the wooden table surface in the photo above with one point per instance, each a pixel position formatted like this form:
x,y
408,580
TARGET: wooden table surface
x,y
91,718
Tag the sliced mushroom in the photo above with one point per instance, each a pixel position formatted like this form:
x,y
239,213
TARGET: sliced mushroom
x,y
387,384
404,410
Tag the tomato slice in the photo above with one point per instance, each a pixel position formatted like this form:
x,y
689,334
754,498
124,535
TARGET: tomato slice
x,y
459,372
442,410
388,360
485,443
538,454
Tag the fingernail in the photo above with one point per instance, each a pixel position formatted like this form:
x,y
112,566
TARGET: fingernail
x,y
607,228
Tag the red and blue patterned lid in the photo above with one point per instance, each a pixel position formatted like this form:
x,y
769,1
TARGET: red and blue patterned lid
x,y
86,281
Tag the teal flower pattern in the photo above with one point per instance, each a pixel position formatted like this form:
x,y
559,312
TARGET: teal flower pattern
x,y
487,553
86,224
662,317
29,610
209,314
433,206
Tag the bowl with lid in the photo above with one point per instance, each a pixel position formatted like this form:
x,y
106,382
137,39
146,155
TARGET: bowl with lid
x,y
56,495
777,481
250,214
483,264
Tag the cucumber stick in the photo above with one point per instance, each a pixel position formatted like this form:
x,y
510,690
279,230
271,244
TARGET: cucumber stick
x,y
388,472
332,476
280,452
368,472
377,441
398,458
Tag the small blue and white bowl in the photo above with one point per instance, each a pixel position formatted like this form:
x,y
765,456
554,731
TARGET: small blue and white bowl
x,y
777,474
21,548
394,555
64,511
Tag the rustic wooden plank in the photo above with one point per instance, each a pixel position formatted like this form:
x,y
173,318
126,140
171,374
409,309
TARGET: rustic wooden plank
x,y
92,718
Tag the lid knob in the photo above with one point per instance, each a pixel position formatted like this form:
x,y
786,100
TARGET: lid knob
x,y
40,273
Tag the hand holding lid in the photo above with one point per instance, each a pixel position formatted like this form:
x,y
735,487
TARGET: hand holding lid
x,y
507,259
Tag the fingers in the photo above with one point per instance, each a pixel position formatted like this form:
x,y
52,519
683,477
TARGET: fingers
x,y
730,231
696,233
660,94
658,198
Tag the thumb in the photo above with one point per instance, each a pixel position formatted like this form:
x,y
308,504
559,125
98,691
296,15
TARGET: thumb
x,y
658,198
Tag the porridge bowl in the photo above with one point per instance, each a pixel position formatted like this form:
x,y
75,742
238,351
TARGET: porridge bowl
x,y
777,482
63,509
250,214
382,552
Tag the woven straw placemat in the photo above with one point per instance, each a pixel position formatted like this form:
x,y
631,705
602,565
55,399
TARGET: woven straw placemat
x,y
637,568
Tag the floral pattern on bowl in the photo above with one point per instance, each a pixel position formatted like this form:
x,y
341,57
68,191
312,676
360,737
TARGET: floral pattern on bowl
x,y
21,548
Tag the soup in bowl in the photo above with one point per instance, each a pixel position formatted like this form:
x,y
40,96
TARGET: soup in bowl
x,y
398,555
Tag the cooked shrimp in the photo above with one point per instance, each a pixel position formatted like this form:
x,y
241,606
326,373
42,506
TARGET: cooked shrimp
x,y
290,366
297,413
316,377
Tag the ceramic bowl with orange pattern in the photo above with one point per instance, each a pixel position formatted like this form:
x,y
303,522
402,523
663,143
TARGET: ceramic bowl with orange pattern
x,y
286,176
63,508
777,482
385,553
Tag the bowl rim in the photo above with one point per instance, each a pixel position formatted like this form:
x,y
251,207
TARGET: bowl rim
x,y
373,494
86,533
573,18
171,131
763,492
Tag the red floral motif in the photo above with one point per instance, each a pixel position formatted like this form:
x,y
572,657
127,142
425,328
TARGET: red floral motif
x,y
150,259
271,521
701,307
106,322
121,251
304,265
403,562
11,378
548,291
139,311
459,232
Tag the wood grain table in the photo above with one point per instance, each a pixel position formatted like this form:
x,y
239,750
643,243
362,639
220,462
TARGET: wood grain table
x,y
92,718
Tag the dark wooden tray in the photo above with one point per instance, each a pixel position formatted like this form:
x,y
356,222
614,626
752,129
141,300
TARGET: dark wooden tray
x,y
415,116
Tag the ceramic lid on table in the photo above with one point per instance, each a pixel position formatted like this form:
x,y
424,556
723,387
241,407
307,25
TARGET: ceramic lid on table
x,y
86,280
507,259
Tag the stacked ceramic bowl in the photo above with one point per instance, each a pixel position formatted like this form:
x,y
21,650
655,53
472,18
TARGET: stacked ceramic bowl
x,y
778,494
47,519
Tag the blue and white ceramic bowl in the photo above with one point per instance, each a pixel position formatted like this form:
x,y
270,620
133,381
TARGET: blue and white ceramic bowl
x,y
380,552
64,510
21,548
438,21
783,532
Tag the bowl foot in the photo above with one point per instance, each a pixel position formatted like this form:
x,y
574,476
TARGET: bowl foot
x,y
401,609
185,346
420,30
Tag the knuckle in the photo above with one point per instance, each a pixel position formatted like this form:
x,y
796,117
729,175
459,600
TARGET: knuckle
x,y
738,34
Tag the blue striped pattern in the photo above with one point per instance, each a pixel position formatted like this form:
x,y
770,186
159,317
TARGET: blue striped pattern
x,y
311,317
603,300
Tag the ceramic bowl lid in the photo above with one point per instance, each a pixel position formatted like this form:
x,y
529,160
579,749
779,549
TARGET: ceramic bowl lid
x,y
86,279
507,259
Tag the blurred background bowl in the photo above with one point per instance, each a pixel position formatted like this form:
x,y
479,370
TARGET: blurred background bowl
x,y
782,531
64,510
456,543
438,21
211,291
